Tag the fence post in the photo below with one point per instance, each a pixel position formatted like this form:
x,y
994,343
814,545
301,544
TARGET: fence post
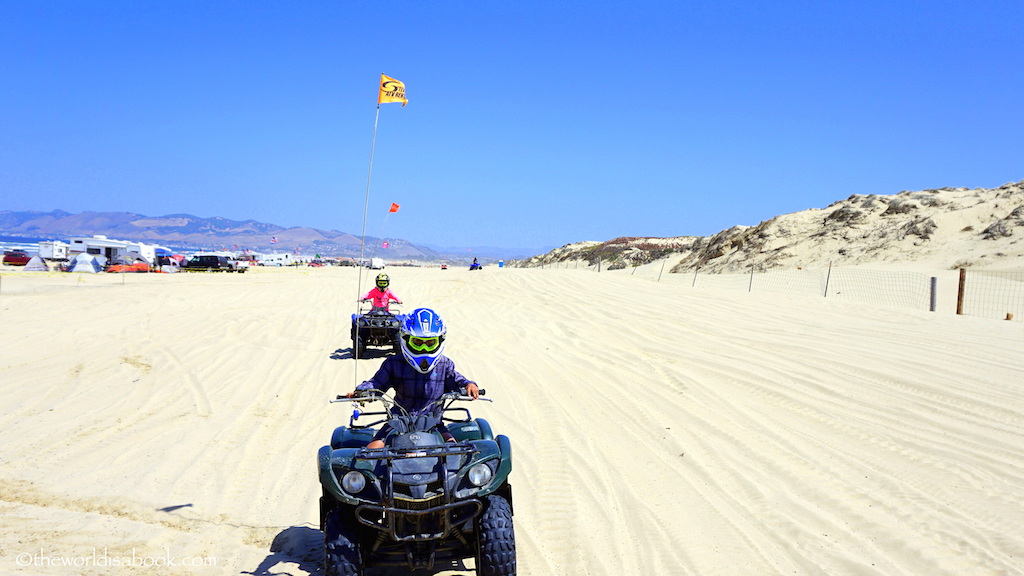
x,y
662,270
960,291
827,278
750,288
935,284
694,276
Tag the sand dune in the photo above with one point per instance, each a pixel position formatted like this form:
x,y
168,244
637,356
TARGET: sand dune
x,y
657,428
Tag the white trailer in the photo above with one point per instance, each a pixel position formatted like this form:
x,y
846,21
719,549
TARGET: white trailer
x,y
98,245
53,250
284,259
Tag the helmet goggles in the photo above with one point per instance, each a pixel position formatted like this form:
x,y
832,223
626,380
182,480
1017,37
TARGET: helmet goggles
x,y
423,345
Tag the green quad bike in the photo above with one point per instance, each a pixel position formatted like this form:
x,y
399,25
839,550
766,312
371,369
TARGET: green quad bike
x,y
419,500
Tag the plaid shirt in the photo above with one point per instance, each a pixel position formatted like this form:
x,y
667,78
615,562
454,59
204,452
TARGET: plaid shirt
x,y
413,390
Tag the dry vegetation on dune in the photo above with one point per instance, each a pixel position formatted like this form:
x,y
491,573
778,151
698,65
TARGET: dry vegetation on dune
x,y
948,227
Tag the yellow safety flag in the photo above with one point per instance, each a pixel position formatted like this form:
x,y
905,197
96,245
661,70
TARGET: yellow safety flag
x,y
391,90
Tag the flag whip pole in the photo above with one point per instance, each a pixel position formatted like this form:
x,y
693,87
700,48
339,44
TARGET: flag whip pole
x,y
389,90
362,245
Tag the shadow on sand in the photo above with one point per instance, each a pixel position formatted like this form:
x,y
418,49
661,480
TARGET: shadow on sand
x,y
304,546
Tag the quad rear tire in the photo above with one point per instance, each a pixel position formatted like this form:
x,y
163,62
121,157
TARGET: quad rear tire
x,y
342,555
496,539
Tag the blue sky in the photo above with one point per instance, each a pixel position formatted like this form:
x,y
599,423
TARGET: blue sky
x,y
529,124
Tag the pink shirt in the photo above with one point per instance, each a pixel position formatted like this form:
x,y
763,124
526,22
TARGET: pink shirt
x,y
381,299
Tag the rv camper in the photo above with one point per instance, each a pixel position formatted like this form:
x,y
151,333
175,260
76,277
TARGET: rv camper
x,y
276,260
113,250
53,250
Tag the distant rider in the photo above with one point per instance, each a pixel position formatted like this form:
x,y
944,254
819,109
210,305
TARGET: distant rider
x,y
381,295
422,374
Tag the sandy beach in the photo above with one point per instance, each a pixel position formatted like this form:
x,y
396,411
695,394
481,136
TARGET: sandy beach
x,y
658,429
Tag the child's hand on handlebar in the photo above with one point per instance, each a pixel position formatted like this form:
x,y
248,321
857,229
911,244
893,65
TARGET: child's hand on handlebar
x,y
472,390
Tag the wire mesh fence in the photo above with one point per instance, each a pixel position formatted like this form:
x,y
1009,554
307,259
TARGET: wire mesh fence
x,y
993,294
988,294
897,289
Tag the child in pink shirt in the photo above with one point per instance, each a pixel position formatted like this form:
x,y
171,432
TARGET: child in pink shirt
x,y
381,296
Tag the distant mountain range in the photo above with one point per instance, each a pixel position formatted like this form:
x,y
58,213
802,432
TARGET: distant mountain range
x,y
191,233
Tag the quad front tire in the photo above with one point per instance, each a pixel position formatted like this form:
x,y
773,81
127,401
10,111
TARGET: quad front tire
x,y
496,539
342,556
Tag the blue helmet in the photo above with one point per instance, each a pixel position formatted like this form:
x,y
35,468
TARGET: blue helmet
x,y
422,335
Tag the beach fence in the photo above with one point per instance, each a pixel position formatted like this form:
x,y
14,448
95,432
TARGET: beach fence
x,y
885,288
991,294
988,294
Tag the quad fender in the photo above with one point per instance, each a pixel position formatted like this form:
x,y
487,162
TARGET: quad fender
x,y
327,478
486,450
477,429
485,429
328,458
345,437
505,446
501,449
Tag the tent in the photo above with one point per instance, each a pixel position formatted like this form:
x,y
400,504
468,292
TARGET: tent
x,y
84,263
36,264
136,257
137,267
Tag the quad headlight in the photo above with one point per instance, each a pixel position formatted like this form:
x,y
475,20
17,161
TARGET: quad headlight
x,y
480,475
353,482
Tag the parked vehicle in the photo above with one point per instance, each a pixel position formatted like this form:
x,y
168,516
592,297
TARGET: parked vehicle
x,y
207,263
16,258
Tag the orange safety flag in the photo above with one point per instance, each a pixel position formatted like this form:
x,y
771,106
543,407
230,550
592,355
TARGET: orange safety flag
x,y
391,90
394,207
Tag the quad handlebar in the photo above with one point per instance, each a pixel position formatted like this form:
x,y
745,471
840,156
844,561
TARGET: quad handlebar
x,y
393,410
372,395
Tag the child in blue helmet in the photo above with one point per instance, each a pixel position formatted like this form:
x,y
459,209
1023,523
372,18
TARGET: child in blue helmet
x,y
423,373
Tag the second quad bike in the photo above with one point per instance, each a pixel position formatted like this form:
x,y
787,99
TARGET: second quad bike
x,y
376,326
